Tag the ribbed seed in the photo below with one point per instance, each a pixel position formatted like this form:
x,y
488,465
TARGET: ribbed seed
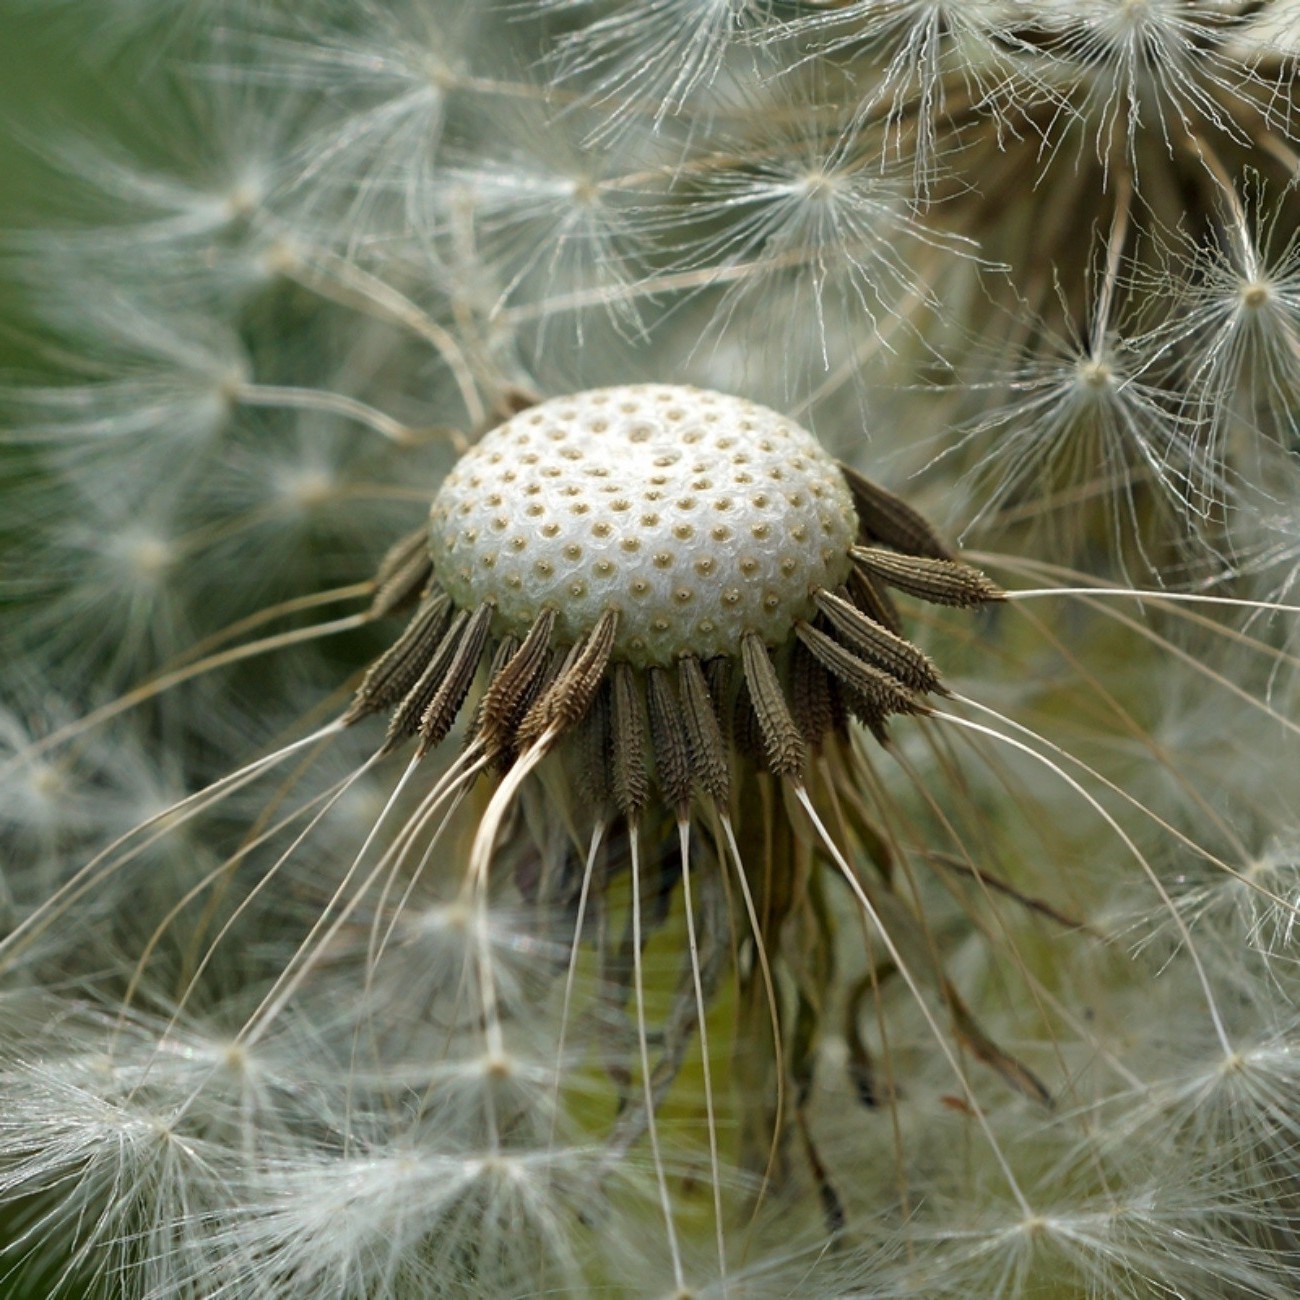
x,y
593,737
813,696
746,730
564,703
399,667
896,656
710,770
941,582
873,600
405,721
555,663
441,711
631,781
402,574
669,740
506,650
783,746
866,709
880,690
717,673
889,519
511,690
573,694
533,722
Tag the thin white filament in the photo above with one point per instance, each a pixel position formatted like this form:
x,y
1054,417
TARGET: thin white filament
x,y
327,797
1202,978
332,797
285,987
1242,878
1155,596
647,1083
851,879
1088,595
335,596
341,281
375,953
174,815
571,974
468,765
769,989
710,1114
176,677
1038,991
311,399
480,861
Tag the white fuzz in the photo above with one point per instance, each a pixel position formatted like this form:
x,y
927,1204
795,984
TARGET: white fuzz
x,y
662,50
1245,914
702,517
396,1222
1148,66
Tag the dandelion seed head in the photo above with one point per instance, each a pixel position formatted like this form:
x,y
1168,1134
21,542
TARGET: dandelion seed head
x,y
305,487
1255,295
440,950
35,792
1253,909
1094,373
698,516
145,556
1232,1111
399,1221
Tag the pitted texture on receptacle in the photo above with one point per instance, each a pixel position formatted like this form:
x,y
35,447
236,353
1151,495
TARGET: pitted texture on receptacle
x,y
697,516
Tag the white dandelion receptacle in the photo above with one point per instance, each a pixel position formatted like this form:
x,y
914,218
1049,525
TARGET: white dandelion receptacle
x,y
696,515
664,535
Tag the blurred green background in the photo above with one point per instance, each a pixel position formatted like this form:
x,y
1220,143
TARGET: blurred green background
x,y
46,80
